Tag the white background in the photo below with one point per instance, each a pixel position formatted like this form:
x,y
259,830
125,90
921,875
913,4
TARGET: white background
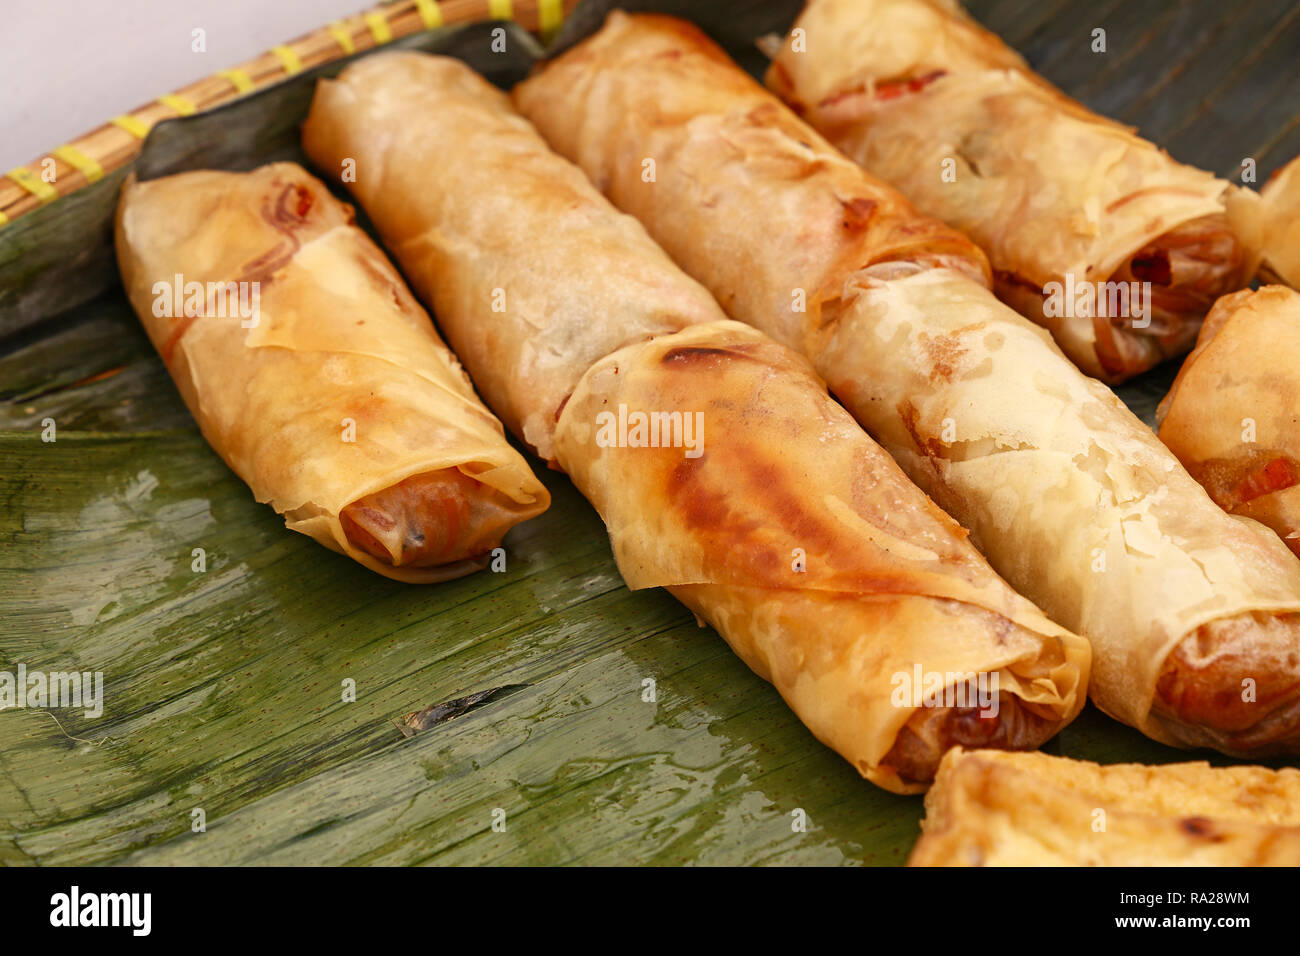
x,y
66,66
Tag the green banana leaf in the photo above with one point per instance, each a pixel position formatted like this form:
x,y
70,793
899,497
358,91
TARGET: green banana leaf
x,y
501,718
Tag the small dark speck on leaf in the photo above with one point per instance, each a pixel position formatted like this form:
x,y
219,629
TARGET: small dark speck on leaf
x,y
419,720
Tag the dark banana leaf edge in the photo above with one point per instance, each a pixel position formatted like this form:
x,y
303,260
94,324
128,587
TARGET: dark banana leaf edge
x,y
266,701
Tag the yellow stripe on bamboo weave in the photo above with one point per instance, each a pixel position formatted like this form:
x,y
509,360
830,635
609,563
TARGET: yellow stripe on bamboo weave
x,y
429,13
88,166
342,37
550,14
288,58
33,184
179,103
238,78
132,124
379,28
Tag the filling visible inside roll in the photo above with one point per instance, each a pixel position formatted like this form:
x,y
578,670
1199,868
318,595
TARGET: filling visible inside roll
x,y
1235,482
1188,267
1234,684
1053,193
428,520
930,733
1016,724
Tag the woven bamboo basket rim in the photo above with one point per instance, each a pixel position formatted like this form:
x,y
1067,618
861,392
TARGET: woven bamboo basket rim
x,y
67,168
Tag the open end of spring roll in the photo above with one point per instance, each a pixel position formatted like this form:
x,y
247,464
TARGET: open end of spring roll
x,y
929,734
1071,207
1071,497
990,808
1234,685
430,520
313,372
723,470
882,628
1185,270
1149,309
807,664
1280,216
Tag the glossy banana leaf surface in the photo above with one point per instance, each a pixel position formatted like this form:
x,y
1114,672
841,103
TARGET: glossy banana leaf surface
x,y
267,701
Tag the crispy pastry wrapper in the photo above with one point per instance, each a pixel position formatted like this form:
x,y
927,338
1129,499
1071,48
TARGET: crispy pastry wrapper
x,y
334,399
1076,502
553,282
599,320
1281,226
1230,416
1071,497
1058,196
993,808
804,544
728,161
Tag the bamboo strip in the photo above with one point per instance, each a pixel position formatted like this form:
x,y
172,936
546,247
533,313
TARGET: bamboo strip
x,y
118,141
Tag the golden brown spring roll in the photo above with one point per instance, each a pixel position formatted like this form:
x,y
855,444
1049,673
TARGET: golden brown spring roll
x,y
990,808
1280,203
1062,200
745,490
1230,416
519,269
314,373
1072,499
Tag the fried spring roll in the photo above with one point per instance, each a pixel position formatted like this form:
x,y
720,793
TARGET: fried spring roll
x,y
1280,202
1070,497
989,808
747,492
327,389
1230,416
1061,199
